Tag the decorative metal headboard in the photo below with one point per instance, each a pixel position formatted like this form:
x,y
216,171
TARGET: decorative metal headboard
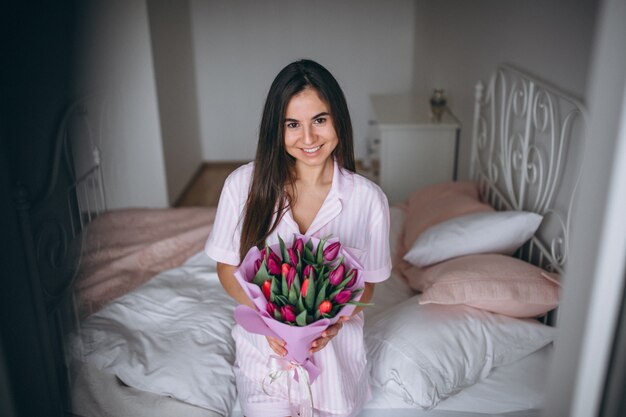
x,y
51,226
527,150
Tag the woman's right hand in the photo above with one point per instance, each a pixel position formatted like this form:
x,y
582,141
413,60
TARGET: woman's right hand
x,y
277,345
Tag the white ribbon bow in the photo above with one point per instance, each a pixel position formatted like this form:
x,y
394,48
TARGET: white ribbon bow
x,y
295,372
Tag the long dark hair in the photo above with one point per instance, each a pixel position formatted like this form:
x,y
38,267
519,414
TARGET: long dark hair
x,y
274,167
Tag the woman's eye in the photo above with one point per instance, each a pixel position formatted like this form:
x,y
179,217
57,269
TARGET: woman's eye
x,y
292,125
320,120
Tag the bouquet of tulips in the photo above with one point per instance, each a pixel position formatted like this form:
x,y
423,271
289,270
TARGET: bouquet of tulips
x,y
298,291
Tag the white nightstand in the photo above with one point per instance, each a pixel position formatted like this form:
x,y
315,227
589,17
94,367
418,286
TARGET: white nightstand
x,y
414,150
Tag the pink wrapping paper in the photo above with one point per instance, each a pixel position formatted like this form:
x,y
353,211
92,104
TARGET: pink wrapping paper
x,y
298,339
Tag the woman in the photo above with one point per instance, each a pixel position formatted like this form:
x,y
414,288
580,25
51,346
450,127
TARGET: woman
x,y
303,181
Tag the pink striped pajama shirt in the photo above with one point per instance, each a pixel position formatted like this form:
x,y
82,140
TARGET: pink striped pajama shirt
x,y
356,211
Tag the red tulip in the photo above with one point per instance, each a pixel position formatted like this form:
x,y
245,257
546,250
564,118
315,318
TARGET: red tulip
x,y
267,285
305,287
273,264
293,257
331,251
325,307
271,307
288,313
343,297
336,276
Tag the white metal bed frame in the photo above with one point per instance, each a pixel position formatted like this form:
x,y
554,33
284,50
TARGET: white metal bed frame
x,y
524,131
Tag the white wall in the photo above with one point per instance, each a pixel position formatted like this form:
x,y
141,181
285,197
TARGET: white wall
x,y
115,65
241,45
458,42
174,67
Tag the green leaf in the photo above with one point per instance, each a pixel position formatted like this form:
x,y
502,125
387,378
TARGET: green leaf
x,y
300,305
308,255
283,286
283,250
296,283
293,295
273,289
281,300
321,296
319,256
317,315
301,319
357,303
334,293
322,276
262,275
277,315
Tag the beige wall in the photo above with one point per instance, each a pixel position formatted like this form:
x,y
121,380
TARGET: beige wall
x,y
174,67
115,68
241,45
458,42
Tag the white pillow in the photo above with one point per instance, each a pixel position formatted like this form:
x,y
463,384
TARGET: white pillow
x,y
426,353
492,232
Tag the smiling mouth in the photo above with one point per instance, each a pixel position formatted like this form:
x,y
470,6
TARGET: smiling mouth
x,y
312,150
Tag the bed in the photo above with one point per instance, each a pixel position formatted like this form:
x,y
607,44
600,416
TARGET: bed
x,y
149,333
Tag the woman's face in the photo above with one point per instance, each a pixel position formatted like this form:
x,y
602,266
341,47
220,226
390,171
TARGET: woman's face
x,y
310,135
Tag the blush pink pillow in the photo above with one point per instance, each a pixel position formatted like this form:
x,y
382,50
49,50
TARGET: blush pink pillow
x,y
437,203
429,206
493,282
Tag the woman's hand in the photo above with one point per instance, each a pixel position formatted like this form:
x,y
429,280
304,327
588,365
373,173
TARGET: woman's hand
x,y
277,345
327,335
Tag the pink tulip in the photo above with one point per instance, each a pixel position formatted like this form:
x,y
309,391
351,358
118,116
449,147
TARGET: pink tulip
x,y
343,297
291,275
309,272
325,307
336,276
288,313
257,265
271,307
293,257
298,246
331,251
263,253
273,264
354,277
267,287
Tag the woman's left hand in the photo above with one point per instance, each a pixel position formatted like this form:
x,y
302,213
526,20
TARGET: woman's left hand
x,y
327,335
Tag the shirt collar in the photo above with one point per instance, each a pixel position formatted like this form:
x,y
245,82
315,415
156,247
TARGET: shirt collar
x,y
343,183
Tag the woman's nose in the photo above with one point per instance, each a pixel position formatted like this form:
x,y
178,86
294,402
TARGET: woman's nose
x,y
307,136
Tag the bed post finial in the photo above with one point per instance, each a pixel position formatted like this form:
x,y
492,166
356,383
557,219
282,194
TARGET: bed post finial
x,y
478,91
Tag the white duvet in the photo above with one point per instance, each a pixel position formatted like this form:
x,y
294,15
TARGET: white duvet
x,y
170,337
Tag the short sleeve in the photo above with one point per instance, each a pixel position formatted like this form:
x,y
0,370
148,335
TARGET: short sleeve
x,y
377,259
223,242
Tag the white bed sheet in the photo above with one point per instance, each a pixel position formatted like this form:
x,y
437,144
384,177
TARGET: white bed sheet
x,y
514,390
